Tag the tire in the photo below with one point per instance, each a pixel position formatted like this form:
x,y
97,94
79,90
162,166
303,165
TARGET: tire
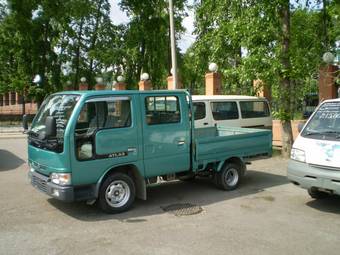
x,y
229,177
317,194
117,193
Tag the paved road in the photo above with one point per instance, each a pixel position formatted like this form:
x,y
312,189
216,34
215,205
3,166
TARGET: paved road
x,y
266,215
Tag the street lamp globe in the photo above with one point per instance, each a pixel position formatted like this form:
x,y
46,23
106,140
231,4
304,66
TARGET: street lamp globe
x,y
328,57
213,67
144,77
99,80
120,78
82,79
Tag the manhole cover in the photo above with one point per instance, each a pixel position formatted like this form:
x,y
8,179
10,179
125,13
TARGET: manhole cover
x,y
182,209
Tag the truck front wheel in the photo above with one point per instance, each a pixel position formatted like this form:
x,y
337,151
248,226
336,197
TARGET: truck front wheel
x,y
117,193
229,177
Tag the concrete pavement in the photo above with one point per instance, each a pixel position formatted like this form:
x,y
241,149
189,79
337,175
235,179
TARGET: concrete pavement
x,y
266,215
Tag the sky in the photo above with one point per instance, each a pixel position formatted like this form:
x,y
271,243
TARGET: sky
x,y
187,38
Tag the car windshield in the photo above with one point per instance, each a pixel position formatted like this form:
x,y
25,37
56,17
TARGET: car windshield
x,y
325,123
58,106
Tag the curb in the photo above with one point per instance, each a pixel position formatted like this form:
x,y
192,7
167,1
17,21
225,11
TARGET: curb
x,y
12,136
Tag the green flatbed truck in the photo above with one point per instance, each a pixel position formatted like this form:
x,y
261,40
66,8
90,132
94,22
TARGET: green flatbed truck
x,y
107,146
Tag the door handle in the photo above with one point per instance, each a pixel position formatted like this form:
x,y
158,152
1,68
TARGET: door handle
x,y
180,142
205,123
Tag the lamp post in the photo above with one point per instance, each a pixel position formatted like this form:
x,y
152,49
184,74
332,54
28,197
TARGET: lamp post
x,y
173,44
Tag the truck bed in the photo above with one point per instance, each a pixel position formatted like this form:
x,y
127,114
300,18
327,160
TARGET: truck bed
x,y
215,144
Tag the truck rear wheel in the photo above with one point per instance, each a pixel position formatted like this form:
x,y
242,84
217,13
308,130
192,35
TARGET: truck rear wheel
x,y
229,177
117,193
317,194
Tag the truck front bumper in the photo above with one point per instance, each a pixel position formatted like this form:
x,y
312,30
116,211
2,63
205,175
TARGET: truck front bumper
x,y
310,176
43,183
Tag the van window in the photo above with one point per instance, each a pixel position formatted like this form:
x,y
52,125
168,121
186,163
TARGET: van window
x,y
224,110
162,110
254,109
199,110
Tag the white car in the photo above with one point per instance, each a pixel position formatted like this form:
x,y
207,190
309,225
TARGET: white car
x,y
315,157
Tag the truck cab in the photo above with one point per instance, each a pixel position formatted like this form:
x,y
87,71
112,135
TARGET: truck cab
x,y
108,145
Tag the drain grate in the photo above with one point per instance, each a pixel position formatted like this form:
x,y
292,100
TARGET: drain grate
x,y
183,209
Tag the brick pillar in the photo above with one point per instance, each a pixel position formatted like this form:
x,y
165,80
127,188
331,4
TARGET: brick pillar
x,y
261,90
6,98
145,85
213,84
83,86
327,88
171,83
120,86
12,98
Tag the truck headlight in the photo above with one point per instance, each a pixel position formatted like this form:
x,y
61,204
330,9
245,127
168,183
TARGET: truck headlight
x,y
298,155
61,178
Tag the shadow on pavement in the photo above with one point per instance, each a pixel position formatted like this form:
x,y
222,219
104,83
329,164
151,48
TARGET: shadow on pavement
x,y
330,204
201,192
9,161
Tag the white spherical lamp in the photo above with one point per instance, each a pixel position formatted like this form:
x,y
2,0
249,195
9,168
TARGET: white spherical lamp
x,y
213,67
144,77
99,80
328,57
82,79
120,78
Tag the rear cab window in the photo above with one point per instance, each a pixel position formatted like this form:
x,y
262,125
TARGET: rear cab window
x,y
224,110
254,109
162,110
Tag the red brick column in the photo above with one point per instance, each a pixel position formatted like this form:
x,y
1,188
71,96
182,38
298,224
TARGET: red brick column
x,y
261,90
213,84
327,88
145,85
171,83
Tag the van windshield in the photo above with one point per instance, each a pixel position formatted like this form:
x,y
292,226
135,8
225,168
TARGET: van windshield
x,y
58,106
325,123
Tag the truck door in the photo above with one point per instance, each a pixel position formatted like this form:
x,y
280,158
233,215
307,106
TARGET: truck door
x,y
105,135
166,133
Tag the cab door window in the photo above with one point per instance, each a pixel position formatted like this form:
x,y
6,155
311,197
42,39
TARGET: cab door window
x,y
96,115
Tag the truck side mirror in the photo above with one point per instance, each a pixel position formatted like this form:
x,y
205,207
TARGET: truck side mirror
x,y
300,126
51,127
25,122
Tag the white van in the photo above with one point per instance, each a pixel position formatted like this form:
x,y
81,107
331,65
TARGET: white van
x,y
315,157
234,111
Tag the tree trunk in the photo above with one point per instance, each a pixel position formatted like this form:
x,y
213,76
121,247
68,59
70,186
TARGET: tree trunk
x,y
285,84
77,60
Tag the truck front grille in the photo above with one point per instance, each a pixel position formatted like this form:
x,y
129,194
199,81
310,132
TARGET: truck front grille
x,y
40,182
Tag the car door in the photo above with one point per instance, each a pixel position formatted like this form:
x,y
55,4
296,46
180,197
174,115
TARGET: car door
x,y
225,113
166,133
201,116
105,135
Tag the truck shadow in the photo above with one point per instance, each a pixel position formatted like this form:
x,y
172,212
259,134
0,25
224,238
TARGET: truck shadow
x,y
330,204
201,192
9,161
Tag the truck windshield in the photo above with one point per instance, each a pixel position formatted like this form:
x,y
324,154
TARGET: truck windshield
x,y
325,123
58,106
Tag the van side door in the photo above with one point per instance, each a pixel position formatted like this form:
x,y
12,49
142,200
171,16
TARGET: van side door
x,y
225,113
166,133
201,114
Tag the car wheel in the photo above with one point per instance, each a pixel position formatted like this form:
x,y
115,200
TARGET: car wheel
x,y
317,194
117,193
229,177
